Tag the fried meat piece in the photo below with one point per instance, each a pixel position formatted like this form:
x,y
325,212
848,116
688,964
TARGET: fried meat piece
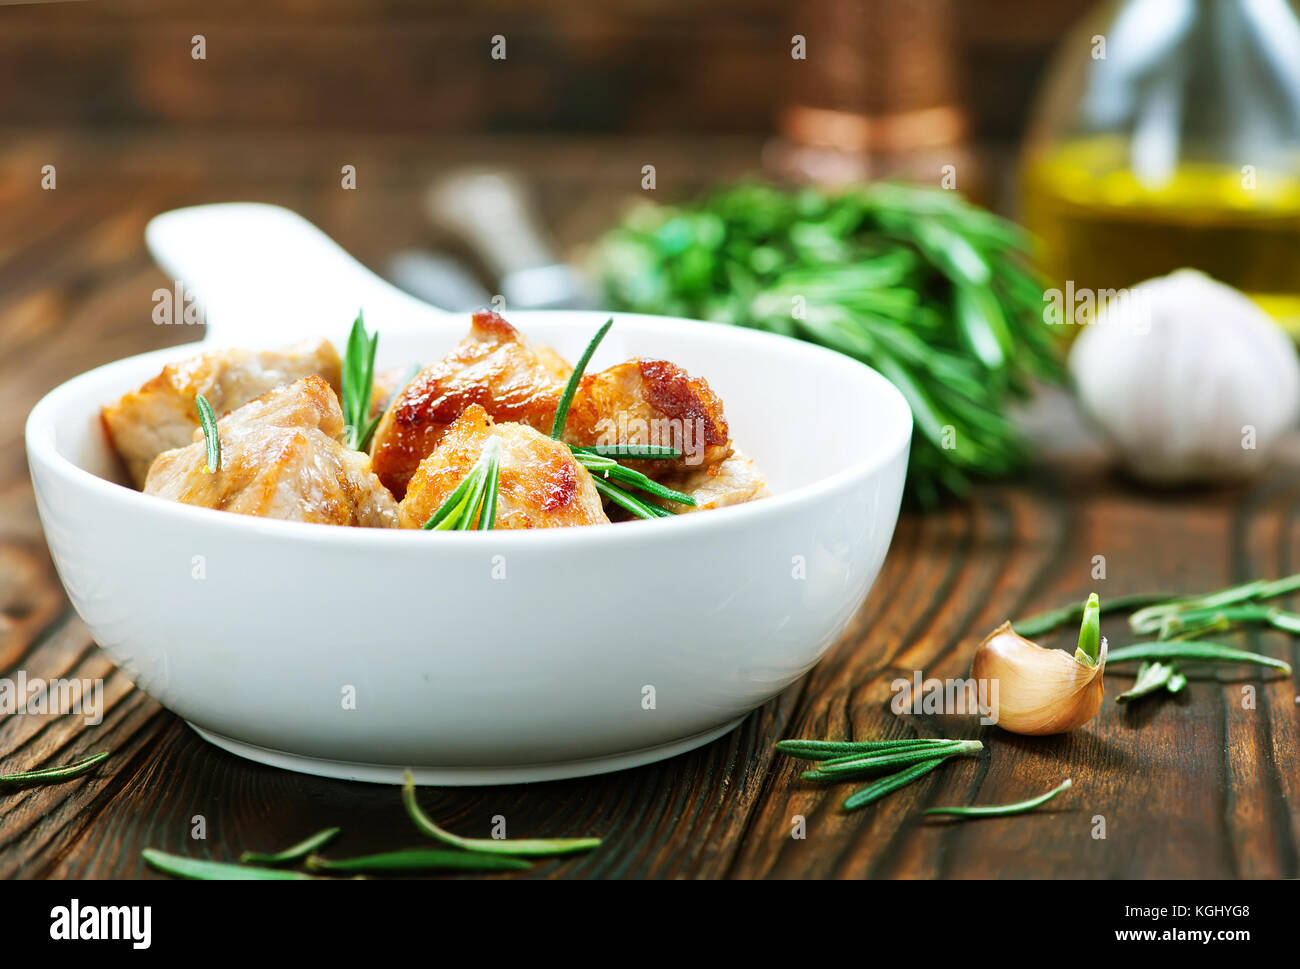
x,y
494,367
651,402
161,414
540,484
281,457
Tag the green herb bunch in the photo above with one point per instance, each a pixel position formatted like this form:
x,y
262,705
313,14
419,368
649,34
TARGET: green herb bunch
x,y
933,292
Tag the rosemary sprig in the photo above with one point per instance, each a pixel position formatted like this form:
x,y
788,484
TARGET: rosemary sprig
x,y
1193,650
299,851
612,472
886,785
840,768
1149,619
475,498
197,868
935,293
632,503
1001,810
532,847
823,749
633,452
418,859
49,775
575,378
208,421
359,385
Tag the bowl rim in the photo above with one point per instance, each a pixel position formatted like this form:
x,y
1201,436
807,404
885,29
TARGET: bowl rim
x,y
39,436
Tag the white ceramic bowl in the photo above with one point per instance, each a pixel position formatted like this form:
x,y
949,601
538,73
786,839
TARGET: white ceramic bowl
x,y
491,657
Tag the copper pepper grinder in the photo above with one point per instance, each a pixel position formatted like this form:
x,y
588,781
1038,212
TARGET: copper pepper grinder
x,y
874,95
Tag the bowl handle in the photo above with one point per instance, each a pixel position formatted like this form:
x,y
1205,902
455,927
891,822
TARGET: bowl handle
x,y
264,275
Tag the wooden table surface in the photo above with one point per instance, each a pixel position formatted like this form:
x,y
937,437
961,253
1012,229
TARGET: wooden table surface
x,y
1201,785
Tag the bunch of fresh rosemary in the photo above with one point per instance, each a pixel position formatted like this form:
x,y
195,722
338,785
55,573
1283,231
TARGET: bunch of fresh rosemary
x,y
933,292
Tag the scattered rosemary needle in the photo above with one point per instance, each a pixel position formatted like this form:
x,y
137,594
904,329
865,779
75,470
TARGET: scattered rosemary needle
x,y
633,452
197,868
1001,810
1151,678
49,775
1193,650
840,768
531,847
887,785
575,378
359,385
612,473
208,421
822,749
419,859
1153,613
1045,622
299,851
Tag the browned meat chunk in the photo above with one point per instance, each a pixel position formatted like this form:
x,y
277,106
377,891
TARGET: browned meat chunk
x,y
280,458
161,414
493,367
540,484
651,402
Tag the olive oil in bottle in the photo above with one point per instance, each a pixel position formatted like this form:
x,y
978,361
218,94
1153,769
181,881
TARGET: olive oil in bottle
x,y
1103,227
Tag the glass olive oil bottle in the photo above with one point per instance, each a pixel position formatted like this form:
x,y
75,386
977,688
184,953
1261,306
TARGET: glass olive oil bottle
x,y
1168,135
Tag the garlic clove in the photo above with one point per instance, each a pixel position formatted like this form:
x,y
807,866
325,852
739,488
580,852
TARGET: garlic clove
x,y
1039,691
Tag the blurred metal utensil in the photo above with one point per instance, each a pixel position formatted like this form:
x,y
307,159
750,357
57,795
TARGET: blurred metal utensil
x,y
437,279
492,212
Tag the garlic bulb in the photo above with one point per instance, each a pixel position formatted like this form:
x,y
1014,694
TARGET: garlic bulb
x,y
1189,379
1039,691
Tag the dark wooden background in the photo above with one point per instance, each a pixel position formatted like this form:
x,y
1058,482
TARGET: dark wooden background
x,y
422,66
1195,786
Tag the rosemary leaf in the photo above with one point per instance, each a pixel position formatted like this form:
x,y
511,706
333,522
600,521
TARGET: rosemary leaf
x,y
1192,650
1044,622
566,399
299,851
1001,810
488,517
622,498
840,768
821,749
632,452
611,471
1151,677
196,868
49,775
358,374
208,421
1148,620
418,859
907,748
887,785
531,847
